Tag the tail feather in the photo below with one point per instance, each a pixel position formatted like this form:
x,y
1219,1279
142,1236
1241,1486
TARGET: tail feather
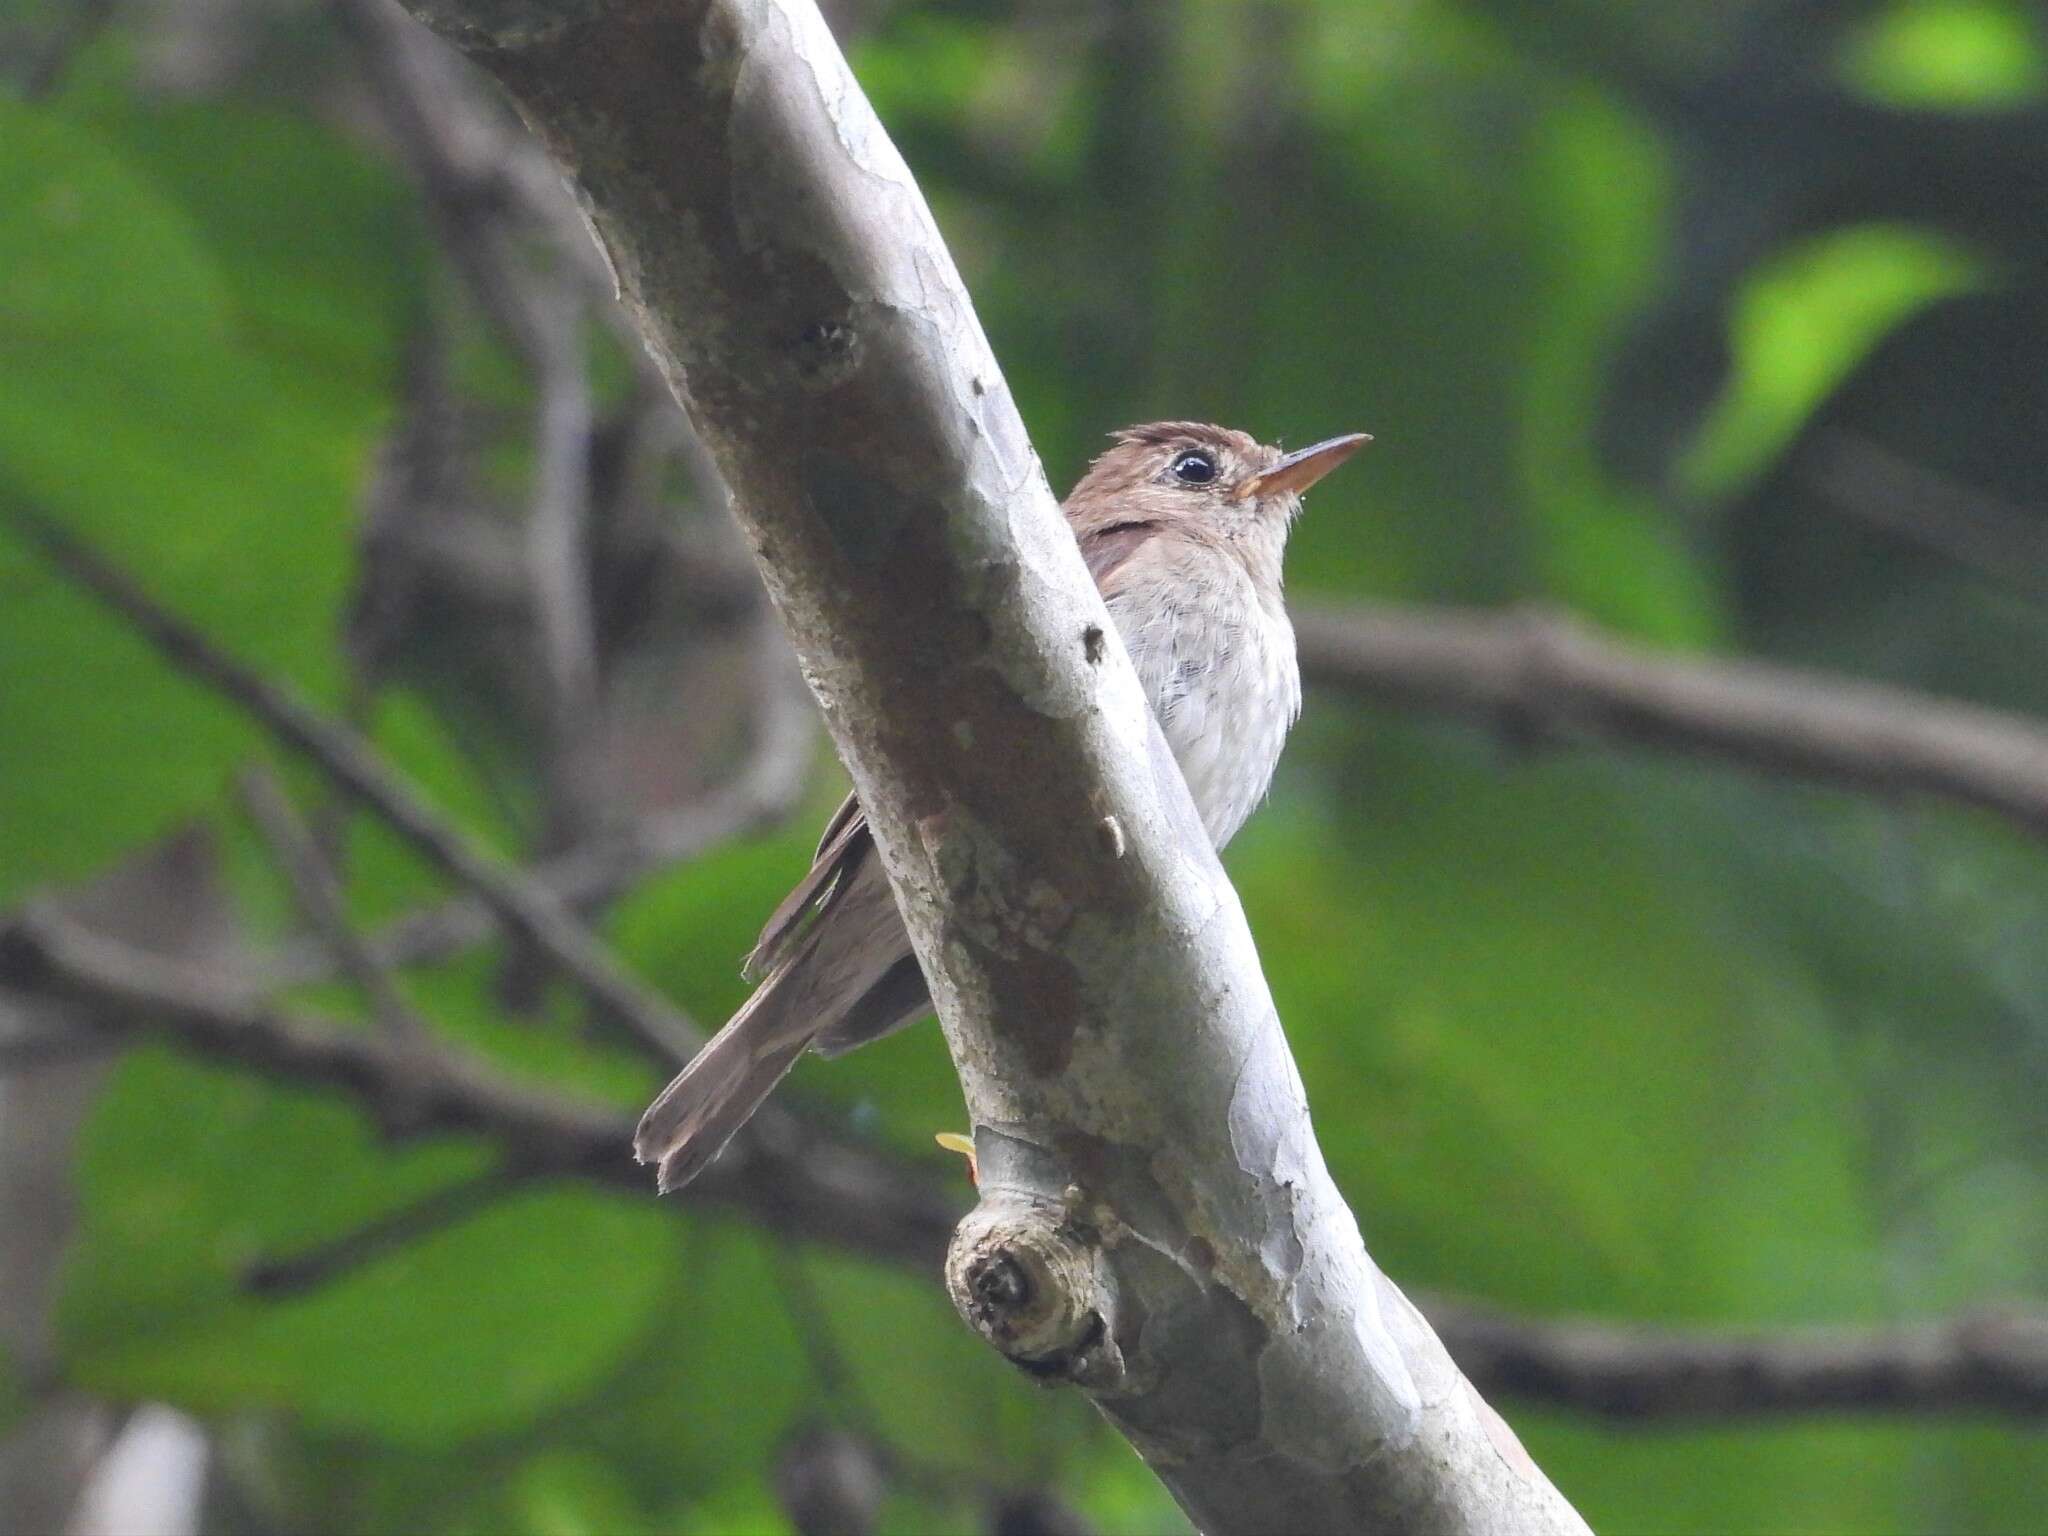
x,y
718,1092
840,978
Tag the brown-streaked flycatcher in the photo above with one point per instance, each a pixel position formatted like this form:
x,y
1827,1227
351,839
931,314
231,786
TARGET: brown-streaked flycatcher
x,y
1182,526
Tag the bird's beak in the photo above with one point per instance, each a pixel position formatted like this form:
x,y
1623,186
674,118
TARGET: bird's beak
x,y
1303,467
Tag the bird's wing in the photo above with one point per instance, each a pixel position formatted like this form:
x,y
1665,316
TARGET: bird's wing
x,y
845,844
1104,549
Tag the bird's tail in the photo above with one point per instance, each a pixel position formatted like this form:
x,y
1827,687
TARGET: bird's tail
x,y
718,1092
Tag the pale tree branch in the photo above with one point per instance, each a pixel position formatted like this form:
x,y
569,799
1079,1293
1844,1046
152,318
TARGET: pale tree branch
x,y
558,534
1542,676
1140,1124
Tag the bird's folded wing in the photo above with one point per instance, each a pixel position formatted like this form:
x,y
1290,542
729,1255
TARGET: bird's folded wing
x,y
846,843
1105,549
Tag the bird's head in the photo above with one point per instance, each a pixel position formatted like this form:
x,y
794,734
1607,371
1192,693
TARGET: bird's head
x,y
1190,476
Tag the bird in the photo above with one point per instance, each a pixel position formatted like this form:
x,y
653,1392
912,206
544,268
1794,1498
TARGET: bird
x,y
1183,526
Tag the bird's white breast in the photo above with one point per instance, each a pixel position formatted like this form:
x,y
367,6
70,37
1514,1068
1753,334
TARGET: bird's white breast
x,y
1218,664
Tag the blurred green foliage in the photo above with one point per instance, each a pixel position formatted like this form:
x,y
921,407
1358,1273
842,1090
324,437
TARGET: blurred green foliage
x,y
1589,1035
1947,53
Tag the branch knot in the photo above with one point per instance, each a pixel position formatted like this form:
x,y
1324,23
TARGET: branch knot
x,y
1037,1287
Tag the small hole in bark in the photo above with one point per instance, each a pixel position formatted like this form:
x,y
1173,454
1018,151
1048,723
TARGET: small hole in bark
x,y
1002,1285
825,348
826,336
1092,641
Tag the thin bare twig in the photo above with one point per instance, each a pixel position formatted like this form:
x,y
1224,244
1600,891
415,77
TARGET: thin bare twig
x,y
529,910
797,1181
765,791
811,1322
474,170
324,1263
827,1192
319,899
1989,1362
1862,478
1542,675
46,70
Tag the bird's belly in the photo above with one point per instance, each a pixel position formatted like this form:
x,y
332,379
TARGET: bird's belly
x,y
1225,693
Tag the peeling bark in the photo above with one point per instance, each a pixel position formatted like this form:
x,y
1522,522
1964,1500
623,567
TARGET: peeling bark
x,y
1146,1155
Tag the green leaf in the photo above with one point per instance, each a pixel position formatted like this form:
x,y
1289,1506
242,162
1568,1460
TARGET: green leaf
x,y
1947,54
318,285
1597,190
1803,321
190,1175
568,1493
138,413
1528,1019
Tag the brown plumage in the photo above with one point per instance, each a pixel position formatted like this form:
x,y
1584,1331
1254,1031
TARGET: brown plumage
x,y
1182,525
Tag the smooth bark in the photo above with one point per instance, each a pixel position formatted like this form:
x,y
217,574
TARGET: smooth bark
x,y
1157,1223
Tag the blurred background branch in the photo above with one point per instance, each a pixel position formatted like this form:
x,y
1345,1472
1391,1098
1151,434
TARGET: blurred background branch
x,y
1539,678
838,1196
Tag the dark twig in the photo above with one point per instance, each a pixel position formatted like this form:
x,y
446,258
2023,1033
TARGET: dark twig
x,y
830,1481
767,788
74,34
805,1472
1986,1363
829,1191
48,1048
463,159
1862,478
811,1322
527,909
1546,676
319,899
475,170
324,1263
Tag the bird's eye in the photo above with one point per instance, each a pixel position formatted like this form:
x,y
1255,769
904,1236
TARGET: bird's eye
x,y
1194,468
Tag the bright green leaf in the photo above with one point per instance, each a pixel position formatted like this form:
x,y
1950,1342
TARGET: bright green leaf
x,y
1948,54
568,1493
133,411
1802,323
